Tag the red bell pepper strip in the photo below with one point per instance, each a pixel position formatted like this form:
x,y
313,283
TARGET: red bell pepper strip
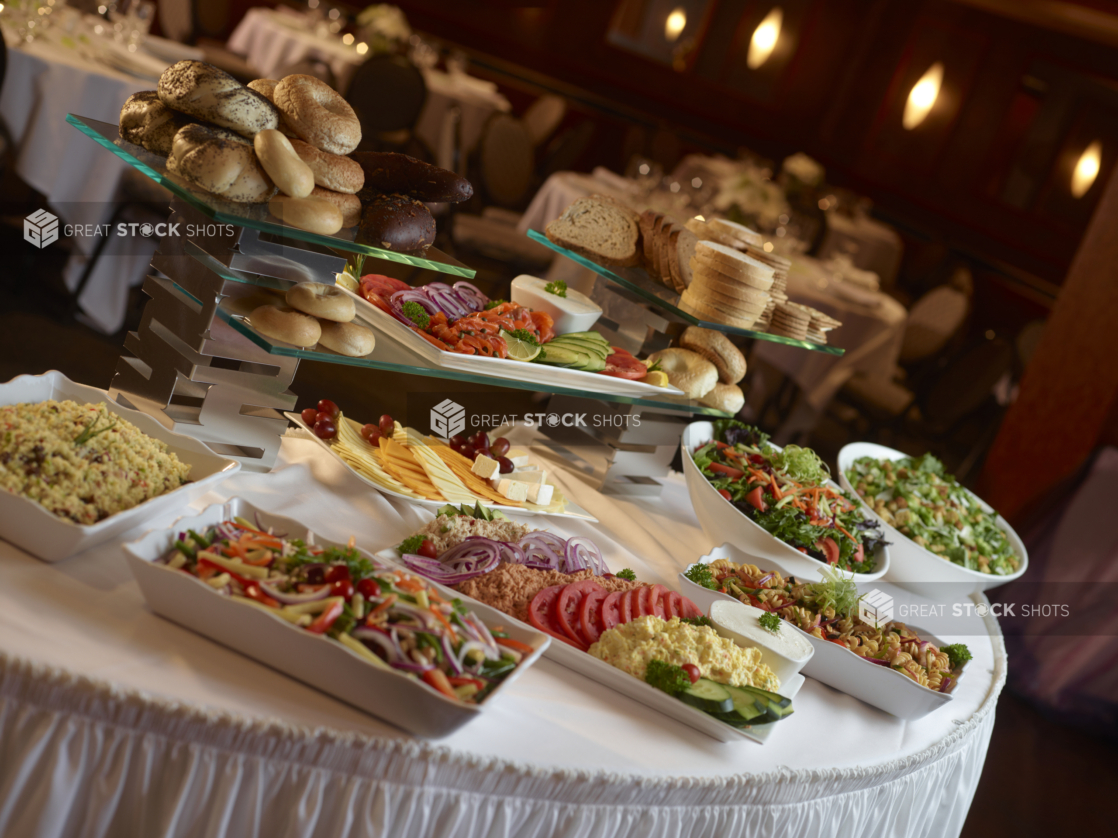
x,y
437,679
326,619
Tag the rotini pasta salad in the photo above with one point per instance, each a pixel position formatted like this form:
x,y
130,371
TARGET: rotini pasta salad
x,y
828,610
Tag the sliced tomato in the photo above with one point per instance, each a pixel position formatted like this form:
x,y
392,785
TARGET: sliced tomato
x,y
590,616
829,549
673,605
611,610
689,609
622,364
729,471
567,609
657,601
629,607
756,499
541,612
725,494
859,553
644,602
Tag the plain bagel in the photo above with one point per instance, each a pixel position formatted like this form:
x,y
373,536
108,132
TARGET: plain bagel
x,y
687,370
267,89
286,324
725,397
225,167
347,338
204,92
331,171
318,113
716,348
328,302
350,205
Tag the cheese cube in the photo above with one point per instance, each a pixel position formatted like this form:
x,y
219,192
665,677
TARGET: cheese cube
x,y
530,476
519,457
542,493
485,467
513,489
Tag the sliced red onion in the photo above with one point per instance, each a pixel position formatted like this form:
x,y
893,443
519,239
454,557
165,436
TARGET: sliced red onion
x,y
469,646
294,599
376,637
419,614
543,548
583,554
946,683
486,637
761,582
511,552
448,653
470,295
412,666
447,299
878,661
414,295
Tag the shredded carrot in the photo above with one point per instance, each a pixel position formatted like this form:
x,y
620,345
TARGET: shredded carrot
x,y
263,560
445,622
384,606
838,526
410,584
776,489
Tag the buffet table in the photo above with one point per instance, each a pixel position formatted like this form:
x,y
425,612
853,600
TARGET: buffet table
x,y
124,723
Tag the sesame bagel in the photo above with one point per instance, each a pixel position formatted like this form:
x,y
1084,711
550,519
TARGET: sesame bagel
x,y
331,171
204,92
318,113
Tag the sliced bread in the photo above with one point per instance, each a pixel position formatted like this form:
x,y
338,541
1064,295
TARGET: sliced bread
x,y
600,229
647,220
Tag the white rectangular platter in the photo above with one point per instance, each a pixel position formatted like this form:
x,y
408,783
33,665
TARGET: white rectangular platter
x,y
542,374
835,665
41,533
313,659
573,510
627,685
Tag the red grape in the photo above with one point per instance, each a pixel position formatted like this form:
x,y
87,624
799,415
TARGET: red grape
x,y
387,425
322,415
427,548
457,441
468,451
310,416
480,441
325,429
499,447
506,465
369,432
328,407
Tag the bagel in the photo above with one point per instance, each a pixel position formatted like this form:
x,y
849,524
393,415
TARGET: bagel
x,y
347,338
318,113
267,89
331,171
286,324
350,205
716,348
204,92
328,302
725,397
314,215
291,175
147,122
228,168
687,370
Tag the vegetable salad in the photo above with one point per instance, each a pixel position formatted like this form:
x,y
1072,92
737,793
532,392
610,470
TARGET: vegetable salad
x,y
930,507
787,494
388,617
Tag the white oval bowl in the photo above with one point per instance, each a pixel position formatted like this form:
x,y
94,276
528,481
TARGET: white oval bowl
x,y
724,522
915,568
528,291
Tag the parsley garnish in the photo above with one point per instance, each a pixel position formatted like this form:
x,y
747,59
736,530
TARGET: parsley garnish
x,y
411,545
770,621
958,653
525,336
626,574
415,313
700,574
558,288
494,304
697,621
667,677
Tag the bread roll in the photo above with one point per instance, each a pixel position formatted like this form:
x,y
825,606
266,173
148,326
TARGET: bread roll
x,y
311,214
389,171
204,92
395,222
347,338
718,349
286,169
725,397
687,370
228,168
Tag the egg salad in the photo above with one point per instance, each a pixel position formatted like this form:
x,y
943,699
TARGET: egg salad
x,y
632,645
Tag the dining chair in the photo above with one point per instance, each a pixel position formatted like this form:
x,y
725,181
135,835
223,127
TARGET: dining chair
x,y
933,320
543,116
388,93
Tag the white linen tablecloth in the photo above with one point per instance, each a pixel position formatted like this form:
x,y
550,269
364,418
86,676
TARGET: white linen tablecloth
x,y
872,245
79,179
272,40
114,722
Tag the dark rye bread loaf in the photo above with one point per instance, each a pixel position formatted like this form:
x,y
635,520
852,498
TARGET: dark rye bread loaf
x,y
601,229
394,222
389,171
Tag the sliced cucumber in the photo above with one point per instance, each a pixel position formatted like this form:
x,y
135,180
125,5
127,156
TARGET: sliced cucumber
x,y
708,697
746,704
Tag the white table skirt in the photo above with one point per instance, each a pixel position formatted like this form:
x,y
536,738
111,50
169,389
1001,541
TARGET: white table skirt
x,y
114,722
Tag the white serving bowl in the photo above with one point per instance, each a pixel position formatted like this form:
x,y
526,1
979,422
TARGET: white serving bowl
x,y
722,521
835,665
311,658
915,568
574,313
726,616
41,533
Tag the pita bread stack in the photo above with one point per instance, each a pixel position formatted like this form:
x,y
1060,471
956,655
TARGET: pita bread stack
x,y
779,291
727,286
819,325
791,320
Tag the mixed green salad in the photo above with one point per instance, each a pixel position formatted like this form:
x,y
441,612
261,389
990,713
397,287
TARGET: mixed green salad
x,y
787,494
916,496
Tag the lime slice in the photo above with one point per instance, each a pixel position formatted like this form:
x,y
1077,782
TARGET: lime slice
x,y
520,350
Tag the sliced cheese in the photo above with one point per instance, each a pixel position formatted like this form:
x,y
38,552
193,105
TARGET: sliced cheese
x,y
542,493
518,456
513,489
531,476
453,489
485,467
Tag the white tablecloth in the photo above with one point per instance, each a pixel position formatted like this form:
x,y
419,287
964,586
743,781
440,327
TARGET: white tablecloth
x,y
272,40
44,82
114,722
872,245
871,335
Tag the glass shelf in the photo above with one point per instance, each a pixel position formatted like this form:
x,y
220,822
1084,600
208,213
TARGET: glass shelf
x,y
389,355
255,216
637,281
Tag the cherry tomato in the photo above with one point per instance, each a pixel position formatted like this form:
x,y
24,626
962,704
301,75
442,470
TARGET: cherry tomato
x,y
327,406
692,671
325,429
427,548
499,447
371,434
368,588
506,465
335,573
725,494
310,416
387,425
342,588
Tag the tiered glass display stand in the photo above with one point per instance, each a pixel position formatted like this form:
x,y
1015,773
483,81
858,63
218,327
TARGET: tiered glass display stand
x,y
199,367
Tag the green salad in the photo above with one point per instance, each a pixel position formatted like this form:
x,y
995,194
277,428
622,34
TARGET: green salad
x,y
929,506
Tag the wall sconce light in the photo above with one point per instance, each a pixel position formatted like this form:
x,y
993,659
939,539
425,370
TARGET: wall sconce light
x,y
1086,169
764,39
675,23
923,96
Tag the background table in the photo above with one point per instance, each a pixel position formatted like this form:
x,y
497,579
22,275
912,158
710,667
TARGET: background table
x,y
44,82
126,724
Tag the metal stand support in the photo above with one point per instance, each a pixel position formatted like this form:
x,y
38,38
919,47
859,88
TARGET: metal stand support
x,y
191,371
